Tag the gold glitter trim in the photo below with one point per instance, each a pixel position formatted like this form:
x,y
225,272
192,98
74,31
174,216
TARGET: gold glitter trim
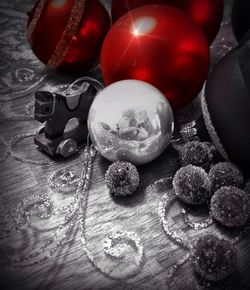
x,y
35,19
68,33
210,127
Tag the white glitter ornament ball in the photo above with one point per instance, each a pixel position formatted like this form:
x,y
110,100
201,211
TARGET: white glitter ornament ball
x,y
130,120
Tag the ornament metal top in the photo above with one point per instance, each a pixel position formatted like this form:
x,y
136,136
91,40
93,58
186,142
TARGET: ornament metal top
x,y
130,120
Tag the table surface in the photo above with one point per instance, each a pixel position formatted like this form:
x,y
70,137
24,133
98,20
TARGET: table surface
x,y
31,209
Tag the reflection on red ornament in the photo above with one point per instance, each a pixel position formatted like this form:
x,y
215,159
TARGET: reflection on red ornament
x,y
206,13
68,34
160,45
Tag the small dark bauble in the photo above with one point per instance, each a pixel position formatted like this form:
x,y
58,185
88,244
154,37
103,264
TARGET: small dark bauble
x,y
226,174
241,18
122,178
226,104
192,185
196,153
230,206
214,258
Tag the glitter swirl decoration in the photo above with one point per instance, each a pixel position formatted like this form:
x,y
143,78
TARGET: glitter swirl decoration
x,y
172,234
118,247
38,206
197,225
24,79
41,207
115,248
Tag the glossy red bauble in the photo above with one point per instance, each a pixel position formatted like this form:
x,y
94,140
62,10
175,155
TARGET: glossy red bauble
x,y
160,45
68,34
206,13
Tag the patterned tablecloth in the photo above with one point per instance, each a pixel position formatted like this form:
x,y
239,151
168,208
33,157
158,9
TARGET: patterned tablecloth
x,y
56,235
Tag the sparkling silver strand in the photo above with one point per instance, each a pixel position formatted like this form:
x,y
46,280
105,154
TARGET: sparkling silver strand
x,y
74,213
128,238
69,31
84,184
68,209
166,225
64,236
208,222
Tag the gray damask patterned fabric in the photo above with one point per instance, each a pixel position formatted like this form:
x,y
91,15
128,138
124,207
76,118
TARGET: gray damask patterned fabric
x,y
59,226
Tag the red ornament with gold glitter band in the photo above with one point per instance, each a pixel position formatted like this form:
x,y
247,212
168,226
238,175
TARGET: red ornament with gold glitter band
x,y
160,45
68,34
206,13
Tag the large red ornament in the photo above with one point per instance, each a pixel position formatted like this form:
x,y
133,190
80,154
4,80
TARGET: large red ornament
x,y
160,45
206,13
68,34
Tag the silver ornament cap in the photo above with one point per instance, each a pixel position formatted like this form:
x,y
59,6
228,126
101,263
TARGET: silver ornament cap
x,y
130,120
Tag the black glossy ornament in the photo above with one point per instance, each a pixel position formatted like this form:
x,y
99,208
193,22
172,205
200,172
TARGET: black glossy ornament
x,y
241,19
226,106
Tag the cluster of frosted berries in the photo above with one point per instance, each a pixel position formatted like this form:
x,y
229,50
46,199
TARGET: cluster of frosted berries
x,y
122,178
214,258
198,181
229,205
